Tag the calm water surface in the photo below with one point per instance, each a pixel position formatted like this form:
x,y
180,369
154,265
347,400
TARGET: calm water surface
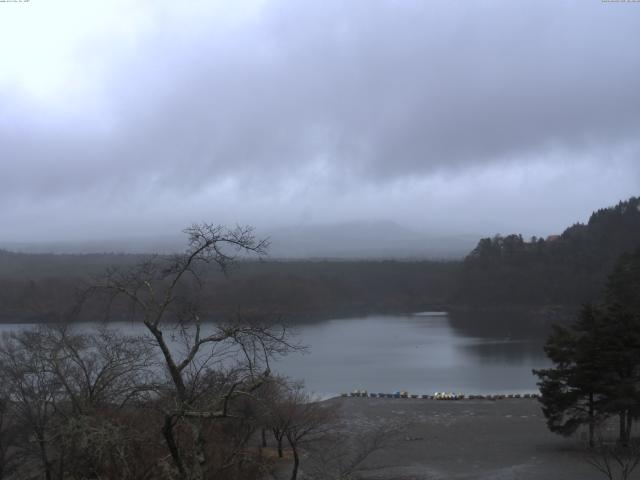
x,y
420,353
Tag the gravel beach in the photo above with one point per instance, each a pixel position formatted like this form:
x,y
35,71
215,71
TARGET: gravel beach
x,y
465,439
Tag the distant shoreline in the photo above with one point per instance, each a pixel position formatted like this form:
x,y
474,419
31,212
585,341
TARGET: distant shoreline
x,y
532,314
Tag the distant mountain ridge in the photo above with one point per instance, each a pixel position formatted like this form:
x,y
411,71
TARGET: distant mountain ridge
x,y
501,271
133,245
352,240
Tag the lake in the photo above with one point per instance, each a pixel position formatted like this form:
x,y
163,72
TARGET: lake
x,y
420,353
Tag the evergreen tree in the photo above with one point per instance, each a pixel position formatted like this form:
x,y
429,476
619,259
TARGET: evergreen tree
x,y
569,269
570,392
623,286
596,371
622,333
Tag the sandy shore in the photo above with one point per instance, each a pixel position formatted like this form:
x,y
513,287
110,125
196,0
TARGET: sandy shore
x,y
465,439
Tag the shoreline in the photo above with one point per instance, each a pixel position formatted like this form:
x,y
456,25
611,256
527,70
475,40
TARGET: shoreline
x,y
441,396
463,440
531,314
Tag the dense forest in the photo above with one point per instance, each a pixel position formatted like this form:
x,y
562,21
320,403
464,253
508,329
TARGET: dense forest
x,y
35,287
567,269
506,272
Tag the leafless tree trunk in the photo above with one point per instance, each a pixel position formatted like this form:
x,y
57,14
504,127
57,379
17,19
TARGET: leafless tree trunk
x,y
293,414
57,380
342,452
159,294
615,461
296,458
79,397
279,434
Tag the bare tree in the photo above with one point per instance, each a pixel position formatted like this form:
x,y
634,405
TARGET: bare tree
x,y
59,387
105,377
99,368
92,405
342,453
33,392
274,417
9,432
615,461
295,415
210,366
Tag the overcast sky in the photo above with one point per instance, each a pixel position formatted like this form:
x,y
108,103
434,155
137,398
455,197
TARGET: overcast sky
x,y
123,118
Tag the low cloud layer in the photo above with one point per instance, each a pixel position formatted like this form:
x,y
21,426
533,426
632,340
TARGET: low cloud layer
x,y
442,115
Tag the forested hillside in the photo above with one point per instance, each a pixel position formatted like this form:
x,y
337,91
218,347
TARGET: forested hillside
x,y
503,272
36,287
567,269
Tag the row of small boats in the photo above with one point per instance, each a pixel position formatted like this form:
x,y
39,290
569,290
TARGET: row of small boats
x,y
439,395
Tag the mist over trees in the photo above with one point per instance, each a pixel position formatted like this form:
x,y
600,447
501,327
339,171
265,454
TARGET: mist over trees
x,y
502,272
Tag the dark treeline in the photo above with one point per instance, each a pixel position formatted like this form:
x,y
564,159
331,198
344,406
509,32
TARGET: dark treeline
x,y
36,287
567,269
506,272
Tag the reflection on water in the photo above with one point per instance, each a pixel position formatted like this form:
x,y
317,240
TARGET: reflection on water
x,y
420,353
500,351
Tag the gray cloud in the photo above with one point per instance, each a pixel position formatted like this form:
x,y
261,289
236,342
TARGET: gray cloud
x,y
304,100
